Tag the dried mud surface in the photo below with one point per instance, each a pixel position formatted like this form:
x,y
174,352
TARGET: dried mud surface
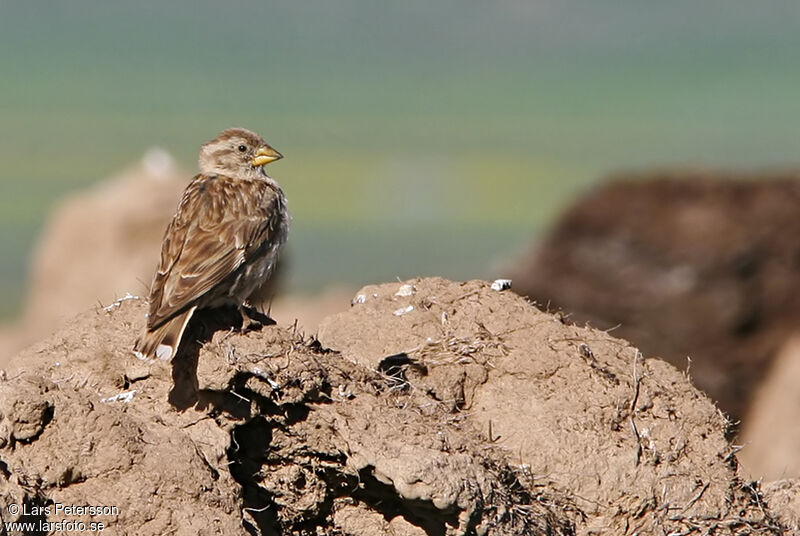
x,y
429,408
685,264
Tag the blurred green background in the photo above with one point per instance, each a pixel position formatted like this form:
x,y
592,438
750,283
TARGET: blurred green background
x,y
420,137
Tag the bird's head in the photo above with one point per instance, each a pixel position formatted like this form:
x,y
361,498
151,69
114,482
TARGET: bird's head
x,y
236,152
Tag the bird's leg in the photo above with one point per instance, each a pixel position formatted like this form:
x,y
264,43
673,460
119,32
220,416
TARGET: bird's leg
x,y
248,323
253,319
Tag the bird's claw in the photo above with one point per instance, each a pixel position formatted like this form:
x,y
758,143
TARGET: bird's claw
x,y
253,320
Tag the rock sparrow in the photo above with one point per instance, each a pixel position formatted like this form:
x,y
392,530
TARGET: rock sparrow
x,y
222,242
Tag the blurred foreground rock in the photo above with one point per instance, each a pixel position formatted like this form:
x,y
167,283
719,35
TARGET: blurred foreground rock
x,y
685,264
771,428
442,408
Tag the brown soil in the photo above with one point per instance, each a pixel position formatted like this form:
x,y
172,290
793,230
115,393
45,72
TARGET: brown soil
x,y
447,409
684,264
783,496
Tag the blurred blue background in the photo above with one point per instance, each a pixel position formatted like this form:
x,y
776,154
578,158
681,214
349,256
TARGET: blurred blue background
x,y
420,137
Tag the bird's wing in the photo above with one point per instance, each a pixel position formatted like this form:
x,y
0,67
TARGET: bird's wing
x,y
219,222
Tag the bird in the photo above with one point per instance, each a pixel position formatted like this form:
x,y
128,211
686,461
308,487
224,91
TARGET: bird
x,y
222,243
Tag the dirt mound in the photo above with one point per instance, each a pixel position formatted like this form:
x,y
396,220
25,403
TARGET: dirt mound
x,y
628,439
686,263
271,435
451,409
771,428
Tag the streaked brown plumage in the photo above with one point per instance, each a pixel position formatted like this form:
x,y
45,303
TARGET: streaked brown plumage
x,y
221,244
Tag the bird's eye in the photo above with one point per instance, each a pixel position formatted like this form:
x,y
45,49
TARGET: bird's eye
x,y
243,148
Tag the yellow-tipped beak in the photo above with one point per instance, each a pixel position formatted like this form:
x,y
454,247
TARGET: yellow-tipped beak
x,y
265,155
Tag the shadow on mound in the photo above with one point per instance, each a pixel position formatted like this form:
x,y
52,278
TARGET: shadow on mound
x,y
201,329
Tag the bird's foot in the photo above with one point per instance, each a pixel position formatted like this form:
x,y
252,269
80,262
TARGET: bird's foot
x,y
252,319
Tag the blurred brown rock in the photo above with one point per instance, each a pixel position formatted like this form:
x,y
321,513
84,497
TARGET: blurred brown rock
x,y
771,427
688,264
104,242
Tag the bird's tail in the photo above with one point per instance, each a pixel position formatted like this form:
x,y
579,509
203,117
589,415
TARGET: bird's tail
x,y
163,341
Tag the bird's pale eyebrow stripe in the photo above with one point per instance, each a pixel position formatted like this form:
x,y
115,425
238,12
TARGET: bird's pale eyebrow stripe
x,y
220,151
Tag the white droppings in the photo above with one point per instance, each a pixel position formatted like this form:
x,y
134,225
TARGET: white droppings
x,y
405,290
126,297
265,376
403,310
125,397
345,392
501,284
